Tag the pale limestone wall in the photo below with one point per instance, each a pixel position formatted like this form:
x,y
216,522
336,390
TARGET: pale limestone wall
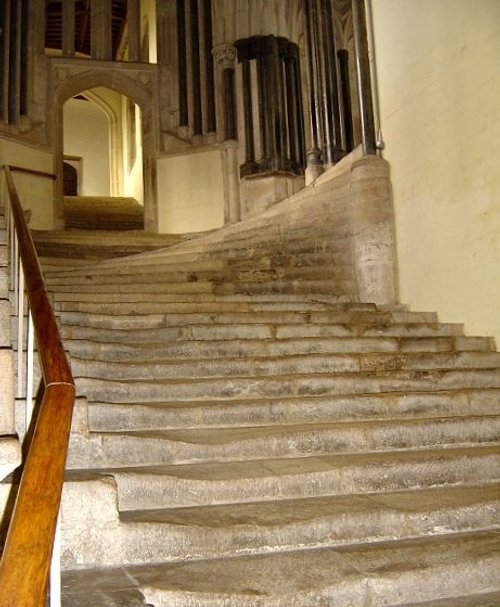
x,y
86,134
41,205
439,89
132,172
190,192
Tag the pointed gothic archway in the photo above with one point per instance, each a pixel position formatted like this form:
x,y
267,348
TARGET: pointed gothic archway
x,y
71,77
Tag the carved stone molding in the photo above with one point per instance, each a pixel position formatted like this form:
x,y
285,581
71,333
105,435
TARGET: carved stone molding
x,y
224,55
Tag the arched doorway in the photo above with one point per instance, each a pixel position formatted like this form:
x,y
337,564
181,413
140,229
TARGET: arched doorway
x,y
86,146
128,169
102,142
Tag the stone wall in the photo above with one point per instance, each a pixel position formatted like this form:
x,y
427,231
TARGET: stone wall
x,y
439,85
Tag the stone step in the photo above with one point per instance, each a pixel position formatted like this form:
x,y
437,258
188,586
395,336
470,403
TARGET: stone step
x,y
168,316
157,350
242,529
180,486
142,287
258,243
139,264
344,288
135,330
341,288
134,265
383,574
128,283
143,448
484,599
155,305
105,417
390,574
103,213
293,364
122,391
327,301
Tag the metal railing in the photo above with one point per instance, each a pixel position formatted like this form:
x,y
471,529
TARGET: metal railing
x,y
28,549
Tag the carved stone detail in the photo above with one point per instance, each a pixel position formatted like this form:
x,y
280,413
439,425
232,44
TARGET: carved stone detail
x,y
224,55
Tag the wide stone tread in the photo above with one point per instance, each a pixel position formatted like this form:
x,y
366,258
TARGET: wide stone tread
x,y
226,389
314,323
296,575
135,264
483,599
241,529
176,486
144,448
256,274
103,416
205,367
154,350
199,286
342,287
391,573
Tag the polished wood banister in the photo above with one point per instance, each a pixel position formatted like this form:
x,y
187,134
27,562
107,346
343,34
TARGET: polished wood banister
x,y
17,169
25,564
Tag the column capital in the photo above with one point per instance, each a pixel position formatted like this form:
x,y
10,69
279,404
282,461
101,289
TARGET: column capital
x,y
224,55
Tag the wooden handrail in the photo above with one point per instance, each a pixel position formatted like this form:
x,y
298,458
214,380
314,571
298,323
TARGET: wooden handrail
x,y
25,564
17,169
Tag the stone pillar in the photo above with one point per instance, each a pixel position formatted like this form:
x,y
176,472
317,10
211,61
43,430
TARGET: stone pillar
x,y
194,24
101,40
182,64
232,209
209,66
36,79
345,91
134,30
372,231
333,143
364,78
314,164
68,28
225,58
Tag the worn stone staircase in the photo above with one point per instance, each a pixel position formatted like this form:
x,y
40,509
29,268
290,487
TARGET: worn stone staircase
x,y
249,434
103,213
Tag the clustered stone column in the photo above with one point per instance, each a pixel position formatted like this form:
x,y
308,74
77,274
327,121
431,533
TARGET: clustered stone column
x,y
195,66
364,79
225,59
13,60
279,107
325,109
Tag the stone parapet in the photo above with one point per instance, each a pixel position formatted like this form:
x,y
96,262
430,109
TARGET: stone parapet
x,y
372,230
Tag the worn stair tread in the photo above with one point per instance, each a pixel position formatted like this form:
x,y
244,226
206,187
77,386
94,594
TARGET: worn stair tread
x,y
213,349
251,412
235,529
239,444
120,586
168,390
299,511
384,573
286,364
313,323
130,330
184,485
483,599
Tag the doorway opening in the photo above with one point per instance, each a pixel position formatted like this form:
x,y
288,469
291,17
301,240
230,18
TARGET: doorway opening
x,y
102,168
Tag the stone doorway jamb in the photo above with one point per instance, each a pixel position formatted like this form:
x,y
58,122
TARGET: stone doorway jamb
x,y
70,77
